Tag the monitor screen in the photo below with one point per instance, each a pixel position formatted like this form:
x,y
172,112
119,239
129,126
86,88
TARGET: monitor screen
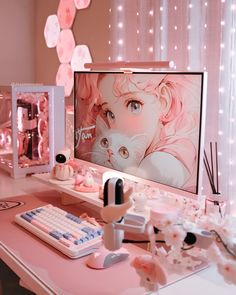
x,y
145,124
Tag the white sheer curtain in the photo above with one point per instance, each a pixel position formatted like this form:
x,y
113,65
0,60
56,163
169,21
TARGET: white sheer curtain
x,y
227,99
196,35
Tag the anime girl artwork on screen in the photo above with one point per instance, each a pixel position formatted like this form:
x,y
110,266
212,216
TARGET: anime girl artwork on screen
x,y
144,124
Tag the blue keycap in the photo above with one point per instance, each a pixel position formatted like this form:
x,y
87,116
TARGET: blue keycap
x,y
94,235
87,230
39,210
30,214
67,236
84,239
78,242
55,234
73,217
100,232
77,220
26,217
90,236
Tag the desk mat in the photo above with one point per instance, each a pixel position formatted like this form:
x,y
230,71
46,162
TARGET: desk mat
x,y
61,274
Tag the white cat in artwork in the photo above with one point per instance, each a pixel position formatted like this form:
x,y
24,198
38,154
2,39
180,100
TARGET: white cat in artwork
x,y
118,151
164,168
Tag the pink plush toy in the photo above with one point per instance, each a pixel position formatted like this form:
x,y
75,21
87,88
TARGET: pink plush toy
x,y
150,271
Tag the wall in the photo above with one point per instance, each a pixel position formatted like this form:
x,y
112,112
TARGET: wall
x,y
46,61
90,27
17,41
24,56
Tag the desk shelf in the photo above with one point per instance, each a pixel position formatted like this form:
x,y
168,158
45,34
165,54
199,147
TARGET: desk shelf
x,y
91,198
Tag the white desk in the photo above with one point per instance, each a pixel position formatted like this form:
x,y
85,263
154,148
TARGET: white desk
x,y
205,281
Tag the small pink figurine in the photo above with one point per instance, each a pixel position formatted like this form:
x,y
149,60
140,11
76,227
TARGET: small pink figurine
x,y
85,183
150,271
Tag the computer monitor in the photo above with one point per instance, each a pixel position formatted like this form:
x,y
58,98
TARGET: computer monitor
x,y
148,125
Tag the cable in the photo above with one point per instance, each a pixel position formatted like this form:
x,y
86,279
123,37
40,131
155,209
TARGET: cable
x,y
185,249
140,242
219,239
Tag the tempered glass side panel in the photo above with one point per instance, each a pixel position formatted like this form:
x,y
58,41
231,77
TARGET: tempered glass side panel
x,y
32,128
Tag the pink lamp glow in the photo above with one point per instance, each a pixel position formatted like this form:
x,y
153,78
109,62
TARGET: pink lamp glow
x,y
81,4
65,46
81,55
64,78
66,13
51,31
8,138
43,105
2,138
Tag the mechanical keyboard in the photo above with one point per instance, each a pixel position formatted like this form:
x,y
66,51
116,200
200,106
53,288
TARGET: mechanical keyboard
x,y
73,236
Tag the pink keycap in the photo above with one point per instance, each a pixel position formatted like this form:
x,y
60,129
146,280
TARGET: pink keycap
x,y
41,226
65,242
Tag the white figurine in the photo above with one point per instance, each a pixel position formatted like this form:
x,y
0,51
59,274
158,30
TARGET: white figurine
x,y
62,170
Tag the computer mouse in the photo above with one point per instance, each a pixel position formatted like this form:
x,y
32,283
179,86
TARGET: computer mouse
x,y
104,258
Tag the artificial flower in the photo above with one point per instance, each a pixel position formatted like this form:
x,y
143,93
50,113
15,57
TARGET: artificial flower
x,y
228,271
174,236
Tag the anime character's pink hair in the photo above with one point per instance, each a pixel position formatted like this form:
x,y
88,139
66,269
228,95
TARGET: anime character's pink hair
x,y
179,136
86,110
87,95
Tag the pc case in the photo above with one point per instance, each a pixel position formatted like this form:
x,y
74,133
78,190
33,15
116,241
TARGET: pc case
x,y
32,128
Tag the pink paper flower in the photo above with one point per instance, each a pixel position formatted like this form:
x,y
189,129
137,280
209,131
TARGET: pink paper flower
x,y
174,236
228,271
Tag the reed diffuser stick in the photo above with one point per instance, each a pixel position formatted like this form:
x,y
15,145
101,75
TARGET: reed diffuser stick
x,y
212,162
217,175
209,175
212,168
208,168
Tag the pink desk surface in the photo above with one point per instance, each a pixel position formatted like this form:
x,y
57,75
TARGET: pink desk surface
x,y
47,271
60,274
